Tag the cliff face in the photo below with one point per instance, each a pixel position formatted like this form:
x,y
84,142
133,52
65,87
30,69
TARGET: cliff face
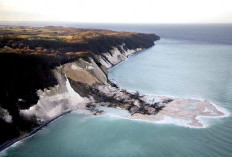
x,y
39,87
116,55
62,97
54,100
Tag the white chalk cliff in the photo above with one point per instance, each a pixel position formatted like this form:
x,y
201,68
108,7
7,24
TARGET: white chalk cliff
x,y
61,98
116,55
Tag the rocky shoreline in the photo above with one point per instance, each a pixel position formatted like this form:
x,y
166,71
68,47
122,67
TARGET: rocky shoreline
x,y
119,98
157,109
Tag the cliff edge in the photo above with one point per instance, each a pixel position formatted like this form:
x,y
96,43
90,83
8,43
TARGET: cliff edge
x,y
47,71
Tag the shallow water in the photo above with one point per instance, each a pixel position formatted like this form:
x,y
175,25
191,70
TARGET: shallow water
x,y
182,68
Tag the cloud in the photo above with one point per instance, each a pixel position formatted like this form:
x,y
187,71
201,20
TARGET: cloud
x,y
139,11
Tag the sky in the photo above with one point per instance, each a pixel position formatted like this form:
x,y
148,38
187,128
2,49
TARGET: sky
x,y
118,11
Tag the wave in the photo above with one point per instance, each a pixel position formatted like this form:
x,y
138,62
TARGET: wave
x,y
113,113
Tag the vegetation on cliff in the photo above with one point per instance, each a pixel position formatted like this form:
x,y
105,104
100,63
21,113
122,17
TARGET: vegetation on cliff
x,y
61,40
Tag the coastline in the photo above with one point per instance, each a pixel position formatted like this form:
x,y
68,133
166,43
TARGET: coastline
x,y
10,143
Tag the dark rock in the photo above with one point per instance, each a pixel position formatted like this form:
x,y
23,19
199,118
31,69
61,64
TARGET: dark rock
x,y
133,110
150,110
166,101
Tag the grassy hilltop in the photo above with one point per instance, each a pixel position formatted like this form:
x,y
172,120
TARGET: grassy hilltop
x,y
71,41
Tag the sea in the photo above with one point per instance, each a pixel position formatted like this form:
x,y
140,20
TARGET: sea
x,y
190,61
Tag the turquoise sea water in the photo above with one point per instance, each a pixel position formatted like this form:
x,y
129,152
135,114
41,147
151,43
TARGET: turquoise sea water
x,y
183,68
179,68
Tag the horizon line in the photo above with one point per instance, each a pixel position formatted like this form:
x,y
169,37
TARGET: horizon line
x,y
115,22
